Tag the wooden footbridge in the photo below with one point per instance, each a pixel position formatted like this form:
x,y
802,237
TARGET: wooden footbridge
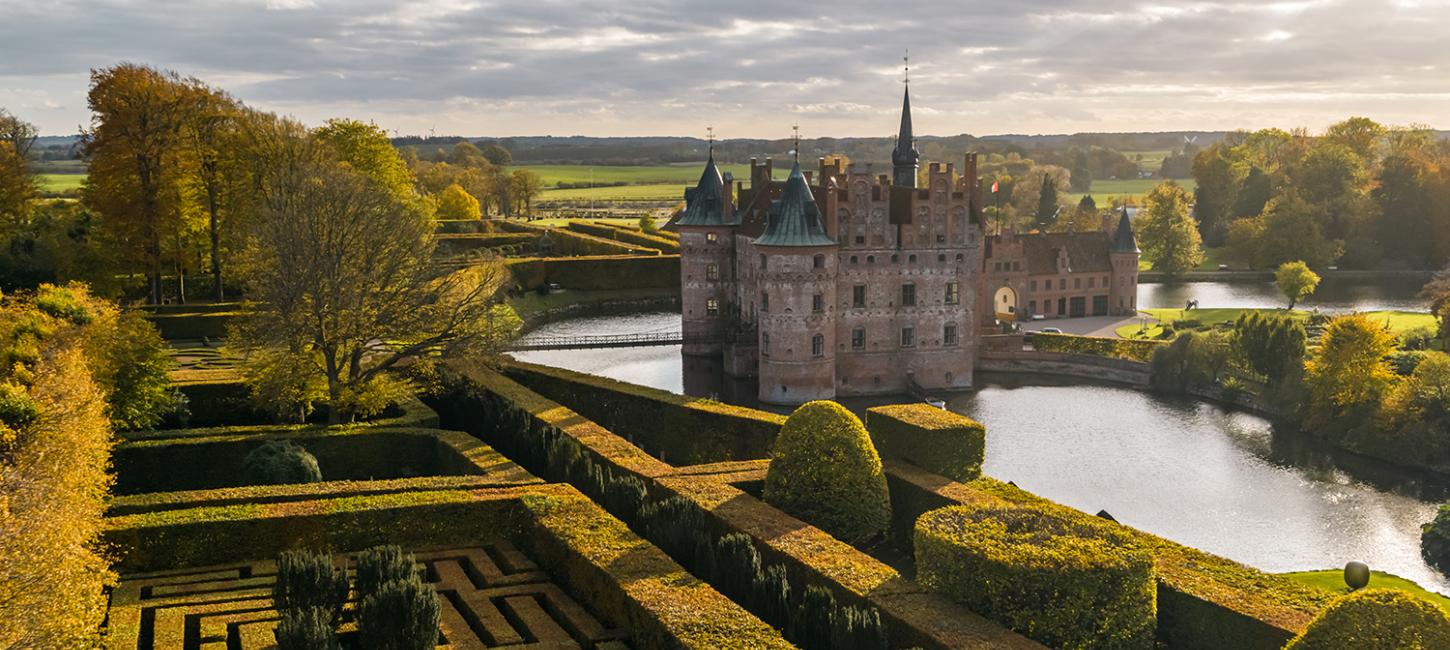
x,y
593,341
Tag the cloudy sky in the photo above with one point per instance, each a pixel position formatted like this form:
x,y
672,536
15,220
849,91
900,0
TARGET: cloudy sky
x,y
751,68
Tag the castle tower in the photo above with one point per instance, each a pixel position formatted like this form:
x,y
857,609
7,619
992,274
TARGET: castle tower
x,y
707,273
797,311
1124,253
905,159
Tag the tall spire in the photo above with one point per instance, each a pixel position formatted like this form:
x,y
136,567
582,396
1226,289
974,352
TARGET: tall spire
x,y
796,137
905,159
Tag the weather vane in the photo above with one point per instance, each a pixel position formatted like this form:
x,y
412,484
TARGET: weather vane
x,y
906,67
796,129
710,135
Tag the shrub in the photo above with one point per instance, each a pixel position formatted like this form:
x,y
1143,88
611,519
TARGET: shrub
x,y
402,615
1435,541
1376,619
771,595
623,496
673,525
1073,583
307,580
859,629
280,462
814,620
1136,350
380,565
931,438
825,470
1404,362
307,628
1193,359
736,565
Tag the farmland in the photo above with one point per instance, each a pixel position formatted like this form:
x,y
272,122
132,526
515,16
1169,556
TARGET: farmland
x,y
57,183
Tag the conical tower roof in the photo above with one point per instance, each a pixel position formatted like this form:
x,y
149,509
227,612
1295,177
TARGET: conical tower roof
x,y
795,220
705,204
1124,241
905,152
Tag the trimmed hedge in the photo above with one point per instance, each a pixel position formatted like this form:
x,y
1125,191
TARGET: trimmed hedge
x,y
931,438
597,272
641,238
569,244
1131,349
193,325
1377,619
408,414
824,470
654,419
458,244
258,494
1069,583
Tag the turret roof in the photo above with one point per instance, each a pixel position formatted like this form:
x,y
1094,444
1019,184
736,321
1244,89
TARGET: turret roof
x,y
1124,241
795,220
705,204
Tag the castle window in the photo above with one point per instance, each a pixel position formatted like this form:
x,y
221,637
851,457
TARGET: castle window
x,y
858,296
1092,282
818,345
941,239
941,258
1031,307
711,237
1017,266
870,259
762,261
818,262
952,293
712,306
818,303
858,339
712,272
949,334
1077,283
908,337
1032,285
895,259
764,302
911,259
959,257
853,259
971,237
764,344
1062,284
908,295
860,239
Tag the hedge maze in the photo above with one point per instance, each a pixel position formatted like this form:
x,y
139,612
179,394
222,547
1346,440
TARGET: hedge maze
x,y
489,596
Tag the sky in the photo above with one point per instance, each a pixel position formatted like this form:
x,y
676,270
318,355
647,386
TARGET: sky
x,y
750,68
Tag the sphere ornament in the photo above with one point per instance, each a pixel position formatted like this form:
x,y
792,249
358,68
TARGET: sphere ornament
x,y
1356,575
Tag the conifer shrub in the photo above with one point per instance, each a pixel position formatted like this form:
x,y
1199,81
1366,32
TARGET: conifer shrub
x,y
307,628
673,524
1070,583
1376,619
814,620
308,580
280,462
736,565
770,594
380,565
401,615
824,470
624,496
930,438
859,628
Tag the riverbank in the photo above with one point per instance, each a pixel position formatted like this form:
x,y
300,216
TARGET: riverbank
x,y
1268,276
1399,322
536,310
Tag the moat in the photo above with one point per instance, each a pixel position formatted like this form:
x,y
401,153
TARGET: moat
x,y
1224,481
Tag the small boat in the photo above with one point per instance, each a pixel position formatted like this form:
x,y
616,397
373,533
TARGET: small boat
x,y
941,404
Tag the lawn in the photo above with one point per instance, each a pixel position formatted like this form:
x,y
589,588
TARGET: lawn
x,y
61,182
677,175
1398,321
657,192
1333,580
1135,188
1152,160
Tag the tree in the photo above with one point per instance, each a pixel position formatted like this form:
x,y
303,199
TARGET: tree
x,y
1215,193
1168,236
134,143
1331,178
365,147
1349,367
18,188
1083,218
524,186
208,134
456,203
467,156
1360,135
338,267
1296,281
1082,173
1047,205
497,154
1407,210
1292,232
1253,194
1244,242
1272,344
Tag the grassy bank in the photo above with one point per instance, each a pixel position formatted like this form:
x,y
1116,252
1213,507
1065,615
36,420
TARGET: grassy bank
x,y
1333,580
532,304
1135,188
1398,321
60,182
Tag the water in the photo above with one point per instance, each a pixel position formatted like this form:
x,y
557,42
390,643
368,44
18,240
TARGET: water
x,y
1223,481
1334,295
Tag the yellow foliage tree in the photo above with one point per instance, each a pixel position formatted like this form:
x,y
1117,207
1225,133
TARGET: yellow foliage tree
x,y
1349,367
454,202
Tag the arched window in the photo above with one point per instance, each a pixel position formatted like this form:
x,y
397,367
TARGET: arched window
x,y
911,259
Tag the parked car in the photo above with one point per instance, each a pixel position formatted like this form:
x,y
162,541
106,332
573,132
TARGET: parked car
x,y
1051,330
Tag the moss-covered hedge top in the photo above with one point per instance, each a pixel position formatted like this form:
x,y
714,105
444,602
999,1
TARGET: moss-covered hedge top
x,y
1377,619
925,416
1032,539
654,394
413,414
1134,350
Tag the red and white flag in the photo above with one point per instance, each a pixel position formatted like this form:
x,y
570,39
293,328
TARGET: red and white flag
x,y
994,187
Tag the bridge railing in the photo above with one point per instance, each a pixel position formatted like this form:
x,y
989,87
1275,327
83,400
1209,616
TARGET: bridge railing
x,y
599,341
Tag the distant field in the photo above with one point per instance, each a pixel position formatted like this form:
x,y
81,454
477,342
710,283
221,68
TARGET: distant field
x,y
1152,160
61,182
679,174
1135,188
655,192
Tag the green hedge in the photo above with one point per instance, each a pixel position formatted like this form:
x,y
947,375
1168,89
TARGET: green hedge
x,y
256,494
596,273
211,325
1377,619
569,244
230,394
641,238
1070,583
1135,350
654,419
931,438
824,470
467,226
462,243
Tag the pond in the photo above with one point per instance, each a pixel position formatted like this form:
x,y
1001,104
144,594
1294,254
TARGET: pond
x,y
1223,481
1333,294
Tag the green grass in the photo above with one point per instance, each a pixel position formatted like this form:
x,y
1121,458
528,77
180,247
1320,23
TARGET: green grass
x,y
1135,188
1333,580
677,174
60,182
531,303
1398,321
1152,160
657,192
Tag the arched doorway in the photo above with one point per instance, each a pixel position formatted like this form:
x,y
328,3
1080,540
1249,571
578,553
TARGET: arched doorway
x,y
1004,303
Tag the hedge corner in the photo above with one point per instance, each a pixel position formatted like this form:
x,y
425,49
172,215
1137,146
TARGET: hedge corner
x,y
933,439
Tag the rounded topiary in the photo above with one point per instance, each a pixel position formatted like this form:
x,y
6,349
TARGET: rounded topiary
x,y
1065,581
402,615
306,628
824,470
280,462
1375,619
1435,541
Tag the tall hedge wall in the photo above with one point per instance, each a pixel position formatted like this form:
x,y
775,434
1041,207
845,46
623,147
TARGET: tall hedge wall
x,y
568,243
931,438
677,429
1132,349
596,273
1067,582
638,237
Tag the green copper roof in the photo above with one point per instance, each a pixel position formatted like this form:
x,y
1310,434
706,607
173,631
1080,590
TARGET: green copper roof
x,y
1123,240
705,203
795,220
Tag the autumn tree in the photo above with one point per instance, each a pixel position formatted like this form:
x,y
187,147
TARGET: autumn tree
x,y
1244,242
339,271
1272,344
18,188
208,133
497,154
1047,205
1253,193
1168,236
1292,231
1295,281
524,186
456,203
1349,368
1214,195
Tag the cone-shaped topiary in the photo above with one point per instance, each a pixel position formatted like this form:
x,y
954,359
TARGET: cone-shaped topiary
x,y
307,580
1376,619
771,595
280,462
736,565
825,471
380,565
306,628
402,615
814,620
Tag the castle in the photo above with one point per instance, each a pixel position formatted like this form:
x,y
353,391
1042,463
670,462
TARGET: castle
x,y
840,283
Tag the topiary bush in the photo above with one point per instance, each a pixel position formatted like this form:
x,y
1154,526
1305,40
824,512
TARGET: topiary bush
x,y
307,628
1435,540
1065,582
824,470
1376,619
308,580
930,438
401,615
814,620
380,565
280,462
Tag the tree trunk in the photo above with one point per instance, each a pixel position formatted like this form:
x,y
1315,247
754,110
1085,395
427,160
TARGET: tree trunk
x,y
216,239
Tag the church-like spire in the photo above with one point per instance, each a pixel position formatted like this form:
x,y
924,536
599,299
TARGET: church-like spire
x,y
705,202
1124,241
905,159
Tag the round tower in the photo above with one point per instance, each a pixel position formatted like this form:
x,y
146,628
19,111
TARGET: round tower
x,y
1124,254
796,306
707,255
